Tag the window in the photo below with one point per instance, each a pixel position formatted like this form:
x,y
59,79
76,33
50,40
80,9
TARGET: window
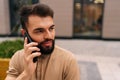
x,y
88,16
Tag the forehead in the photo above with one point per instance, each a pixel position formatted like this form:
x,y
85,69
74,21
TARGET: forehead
x,y
36,21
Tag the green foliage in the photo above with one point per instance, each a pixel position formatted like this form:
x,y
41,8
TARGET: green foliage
x,y
8,48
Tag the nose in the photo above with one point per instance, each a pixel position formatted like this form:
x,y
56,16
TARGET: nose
x,y
48,35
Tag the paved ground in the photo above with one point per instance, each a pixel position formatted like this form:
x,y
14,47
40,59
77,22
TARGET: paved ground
x,y
98,59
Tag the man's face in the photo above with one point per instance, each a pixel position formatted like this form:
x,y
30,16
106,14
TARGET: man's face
x,y
41,30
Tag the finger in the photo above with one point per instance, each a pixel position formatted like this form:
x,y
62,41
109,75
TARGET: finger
x,y
32,49
25,41
32,44
33,55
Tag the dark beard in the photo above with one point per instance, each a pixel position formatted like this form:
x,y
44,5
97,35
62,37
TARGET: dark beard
x,y
46,50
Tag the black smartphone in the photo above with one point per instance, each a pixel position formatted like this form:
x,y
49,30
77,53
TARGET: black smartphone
x,y
29,41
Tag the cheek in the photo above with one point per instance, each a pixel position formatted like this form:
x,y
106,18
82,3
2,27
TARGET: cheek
x,y
37,38
53,34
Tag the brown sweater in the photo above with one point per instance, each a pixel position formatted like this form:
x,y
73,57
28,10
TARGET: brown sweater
x,y
60,65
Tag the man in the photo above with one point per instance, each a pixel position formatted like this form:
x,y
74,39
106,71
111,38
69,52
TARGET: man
x,y
52,62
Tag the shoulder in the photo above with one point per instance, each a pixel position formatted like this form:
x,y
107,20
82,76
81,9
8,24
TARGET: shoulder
x,y
67,61
18,54
17,58
15,63
64,54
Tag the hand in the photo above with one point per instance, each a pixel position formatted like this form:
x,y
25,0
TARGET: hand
x,y
28,57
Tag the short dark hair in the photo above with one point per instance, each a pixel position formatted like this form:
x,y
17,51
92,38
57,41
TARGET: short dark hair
x,y
41,10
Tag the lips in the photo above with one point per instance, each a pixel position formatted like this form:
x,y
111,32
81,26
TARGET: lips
x,y
47,43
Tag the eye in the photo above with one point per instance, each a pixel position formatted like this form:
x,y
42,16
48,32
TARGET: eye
x,y
39,31
52,28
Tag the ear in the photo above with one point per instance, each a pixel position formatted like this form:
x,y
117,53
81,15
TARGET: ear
x,y
22,31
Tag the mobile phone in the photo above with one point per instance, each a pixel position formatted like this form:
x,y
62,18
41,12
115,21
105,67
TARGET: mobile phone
x,y
29,41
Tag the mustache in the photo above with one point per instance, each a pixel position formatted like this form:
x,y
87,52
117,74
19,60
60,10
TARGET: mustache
x,y
46,40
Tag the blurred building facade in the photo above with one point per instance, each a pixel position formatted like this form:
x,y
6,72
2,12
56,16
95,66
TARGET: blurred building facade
x,y
73,18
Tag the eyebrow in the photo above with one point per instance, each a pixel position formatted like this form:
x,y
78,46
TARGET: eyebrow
x,y
52,25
